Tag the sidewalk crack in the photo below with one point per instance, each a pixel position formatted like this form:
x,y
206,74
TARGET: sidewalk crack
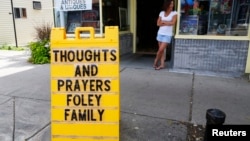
x,y
37,132
191,100
6,101
14,120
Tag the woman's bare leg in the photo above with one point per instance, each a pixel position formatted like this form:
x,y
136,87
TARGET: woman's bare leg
x,y
163,57
159,54
156,60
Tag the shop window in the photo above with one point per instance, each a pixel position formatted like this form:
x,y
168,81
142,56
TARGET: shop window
x,y
85,18
71,14
214,17
20,13
91,13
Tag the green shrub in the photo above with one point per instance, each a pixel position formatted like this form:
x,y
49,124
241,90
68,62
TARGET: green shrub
x,y
40,52
8,47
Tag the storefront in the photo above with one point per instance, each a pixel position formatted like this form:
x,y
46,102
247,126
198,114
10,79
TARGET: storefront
x,y
210,35
98,14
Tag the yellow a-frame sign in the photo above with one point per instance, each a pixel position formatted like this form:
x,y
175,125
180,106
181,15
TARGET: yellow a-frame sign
x,y
85,86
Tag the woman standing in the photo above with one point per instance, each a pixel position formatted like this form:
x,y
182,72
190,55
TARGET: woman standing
x,y
166,20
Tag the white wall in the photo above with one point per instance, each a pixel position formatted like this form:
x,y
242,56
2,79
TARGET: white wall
x,y
25,27
6,23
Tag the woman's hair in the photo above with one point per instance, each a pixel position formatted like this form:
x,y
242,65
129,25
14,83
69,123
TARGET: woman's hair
x,y
166,4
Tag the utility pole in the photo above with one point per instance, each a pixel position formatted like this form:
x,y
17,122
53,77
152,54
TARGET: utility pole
x,y
14,24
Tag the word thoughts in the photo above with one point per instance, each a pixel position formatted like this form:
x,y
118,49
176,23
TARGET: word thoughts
x,y
102,55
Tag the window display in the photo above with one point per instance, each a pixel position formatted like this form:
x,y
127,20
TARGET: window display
x,y
215,17
220,17
194,15
241,18
189,24
71,14
86,18
91,13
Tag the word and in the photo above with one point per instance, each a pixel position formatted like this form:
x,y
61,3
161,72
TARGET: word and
x,y
86,70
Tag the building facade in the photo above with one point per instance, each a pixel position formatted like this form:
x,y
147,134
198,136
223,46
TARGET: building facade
x,y
210,35
19,19
213,35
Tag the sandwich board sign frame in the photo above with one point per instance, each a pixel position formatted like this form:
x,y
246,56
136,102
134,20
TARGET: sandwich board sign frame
x,y
85,85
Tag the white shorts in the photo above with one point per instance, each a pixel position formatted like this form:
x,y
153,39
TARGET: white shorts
x,y
163,38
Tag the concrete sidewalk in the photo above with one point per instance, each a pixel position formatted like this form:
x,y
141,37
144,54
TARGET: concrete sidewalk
x,y
13,62
155,105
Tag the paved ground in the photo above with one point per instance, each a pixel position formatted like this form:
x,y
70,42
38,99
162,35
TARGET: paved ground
x,y
155,105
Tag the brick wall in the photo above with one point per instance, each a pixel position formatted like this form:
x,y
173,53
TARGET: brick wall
x,y
210,55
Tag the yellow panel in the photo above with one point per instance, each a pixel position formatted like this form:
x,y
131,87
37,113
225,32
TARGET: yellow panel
x,y
59,40
105,100
83,139
100,115
73,43
85,70
85,85
85,129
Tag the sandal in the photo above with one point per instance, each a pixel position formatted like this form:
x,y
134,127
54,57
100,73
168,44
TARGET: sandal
x,y
158,68
155,64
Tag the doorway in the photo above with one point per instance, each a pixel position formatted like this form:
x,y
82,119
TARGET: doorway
x,y
147,14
